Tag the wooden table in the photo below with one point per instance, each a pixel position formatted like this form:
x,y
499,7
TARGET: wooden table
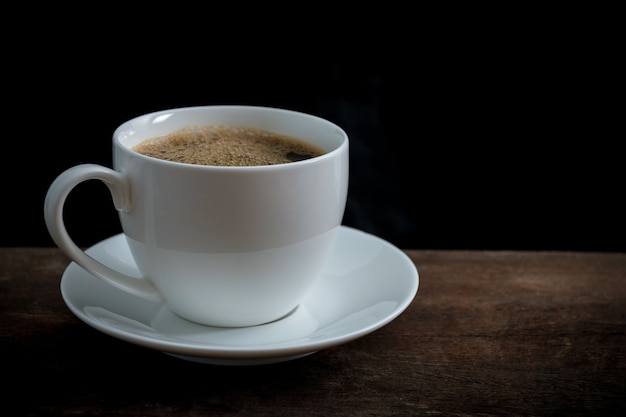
x,y
489,333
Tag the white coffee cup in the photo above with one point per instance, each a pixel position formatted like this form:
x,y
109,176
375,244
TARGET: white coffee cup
x,y
221,246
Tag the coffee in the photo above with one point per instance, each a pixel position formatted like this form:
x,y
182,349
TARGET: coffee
x,y
220,145
224,246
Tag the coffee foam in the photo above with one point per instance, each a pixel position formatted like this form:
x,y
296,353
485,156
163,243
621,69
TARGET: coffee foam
x,y
220,145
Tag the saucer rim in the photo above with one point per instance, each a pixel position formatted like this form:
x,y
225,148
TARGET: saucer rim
x,y
204,352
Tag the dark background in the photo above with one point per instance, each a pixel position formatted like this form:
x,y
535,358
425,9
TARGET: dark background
x,y
500,134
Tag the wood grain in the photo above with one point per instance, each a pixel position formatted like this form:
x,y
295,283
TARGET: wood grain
x,y
489,333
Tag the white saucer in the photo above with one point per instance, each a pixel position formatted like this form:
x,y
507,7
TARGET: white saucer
x,y
368,283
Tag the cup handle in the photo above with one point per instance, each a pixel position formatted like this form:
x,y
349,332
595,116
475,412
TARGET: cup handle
x,y
53,213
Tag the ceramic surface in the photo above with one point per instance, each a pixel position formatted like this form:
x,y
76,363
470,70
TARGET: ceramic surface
x,y
366,285
220,245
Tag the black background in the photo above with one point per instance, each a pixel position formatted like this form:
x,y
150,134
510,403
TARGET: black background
x,y
497,134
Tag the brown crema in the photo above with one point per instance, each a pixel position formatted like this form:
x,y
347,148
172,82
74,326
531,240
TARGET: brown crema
x,y
220,145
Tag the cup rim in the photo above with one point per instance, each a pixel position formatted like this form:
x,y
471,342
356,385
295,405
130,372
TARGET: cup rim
x,y
125,126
